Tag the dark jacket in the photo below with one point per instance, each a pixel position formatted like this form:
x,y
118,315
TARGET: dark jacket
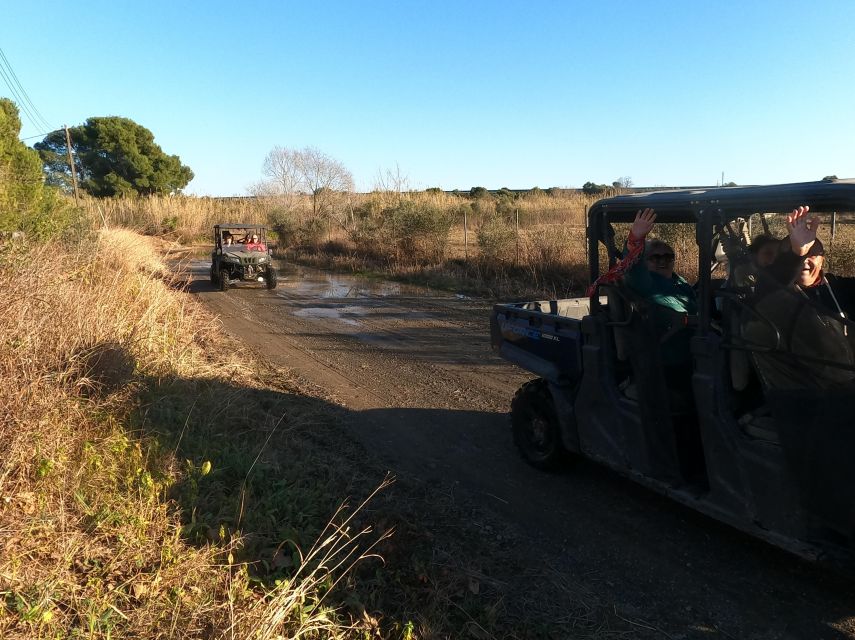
x,y
800,338
835,294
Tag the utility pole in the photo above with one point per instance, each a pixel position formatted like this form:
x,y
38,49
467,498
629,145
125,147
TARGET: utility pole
x,y
71,164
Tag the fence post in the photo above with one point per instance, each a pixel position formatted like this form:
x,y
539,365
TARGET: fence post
x,y
465,238
833,224
517,228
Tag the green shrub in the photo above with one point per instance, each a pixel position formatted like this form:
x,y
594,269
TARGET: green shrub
x,y
284,223
483,208
555,246
497,239
506,207
26,204
369,236
311,233
419,230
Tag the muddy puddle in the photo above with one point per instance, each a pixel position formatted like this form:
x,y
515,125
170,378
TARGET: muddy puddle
x,y
302,281
371,310
348,299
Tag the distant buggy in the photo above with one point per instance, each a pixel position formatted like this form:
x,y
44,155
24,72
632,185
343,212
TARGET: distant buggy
x,y
241,254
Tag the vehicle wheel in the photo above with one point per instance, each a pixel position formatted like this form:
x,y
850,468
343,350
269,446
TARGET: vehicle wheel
x,y
224,280
535,427
214,276
272,278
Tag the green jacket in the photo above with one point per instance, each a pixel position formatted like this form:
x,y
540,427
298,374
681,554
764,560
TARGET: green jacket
x,y
674,293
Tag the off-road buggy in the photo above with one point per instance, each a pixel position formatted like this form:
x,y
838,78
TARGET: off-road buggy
x,y
241,254
773,458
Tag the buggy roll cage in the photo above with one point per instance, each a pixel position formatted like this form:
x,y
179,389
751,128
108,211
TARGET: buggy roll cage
x,y
711,210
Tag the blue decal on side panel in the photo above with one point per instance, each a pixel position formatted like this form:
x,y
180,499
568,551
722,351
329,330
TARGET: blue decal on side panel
x,y
526,332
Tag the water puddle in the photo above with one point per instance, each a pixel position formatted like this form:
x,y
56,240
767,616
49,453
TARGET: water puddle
x,y
302,281
342,314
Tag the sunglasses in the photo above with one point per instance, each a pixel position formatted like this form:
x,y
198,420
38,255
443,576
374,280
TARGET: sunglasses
x,y
661,257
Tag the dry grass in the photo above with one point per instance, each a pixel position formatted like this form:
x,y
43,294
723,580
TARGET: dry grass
x,y
93,546
186,217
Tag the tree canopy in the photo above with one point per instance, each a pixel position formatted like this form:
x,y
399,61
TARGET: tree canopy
x,y
25,203
593,189
20,170
113,156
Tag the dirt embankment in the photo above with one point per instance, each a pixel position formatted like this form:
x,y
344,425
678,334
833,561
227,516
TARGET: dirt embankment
x,y
424,396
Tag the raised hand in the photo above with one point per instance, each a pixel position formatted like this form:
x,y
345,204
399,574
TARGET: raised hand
x,y
802,226
643,223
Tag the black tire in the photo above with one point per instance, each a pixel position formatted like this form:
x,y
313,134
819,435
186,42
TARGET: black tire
x,y
271,278
223,280
214,280
535,427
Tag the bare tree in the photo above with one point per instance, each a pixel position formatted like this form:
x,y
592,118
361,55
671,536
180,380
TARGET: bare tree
x,y
324,177
294,172
392,181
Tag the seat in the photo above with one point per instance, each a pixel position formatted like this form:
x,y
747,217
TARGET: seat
x,y
620,316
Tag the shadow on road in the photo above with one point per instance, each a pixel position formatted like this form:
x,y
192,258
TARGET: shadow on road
x,y
583,540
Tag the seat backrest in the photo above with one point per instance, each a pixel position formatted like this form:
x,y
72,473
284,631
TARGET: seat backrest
x,y
619,311
740,363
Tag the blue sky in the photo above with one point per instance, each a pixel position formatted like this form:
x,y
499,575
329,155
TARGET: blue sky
x,y
457,94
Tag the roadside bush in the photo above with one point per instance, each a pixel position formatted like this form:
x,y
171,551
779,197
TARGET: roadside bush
x,y
496,239
286,226
483,208
311,233
419,230
555,246
369,237
506,207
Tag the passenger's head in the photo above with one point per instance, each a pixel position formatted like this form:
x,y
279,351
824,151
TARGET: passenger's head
x,y
660,257
254,238
764,249
811,271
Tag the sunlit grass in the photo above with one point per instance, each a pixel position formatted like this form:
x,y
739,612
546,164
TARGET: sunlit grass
x,y
99,519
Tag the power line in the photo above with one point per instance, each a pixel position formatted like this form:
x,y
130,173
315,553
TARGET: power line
x,y
20,102
40,135
45,124
24,100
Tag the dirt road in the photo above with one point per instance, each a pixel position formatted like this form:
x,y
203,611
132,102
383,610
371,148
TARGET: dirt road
x,y
426,395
